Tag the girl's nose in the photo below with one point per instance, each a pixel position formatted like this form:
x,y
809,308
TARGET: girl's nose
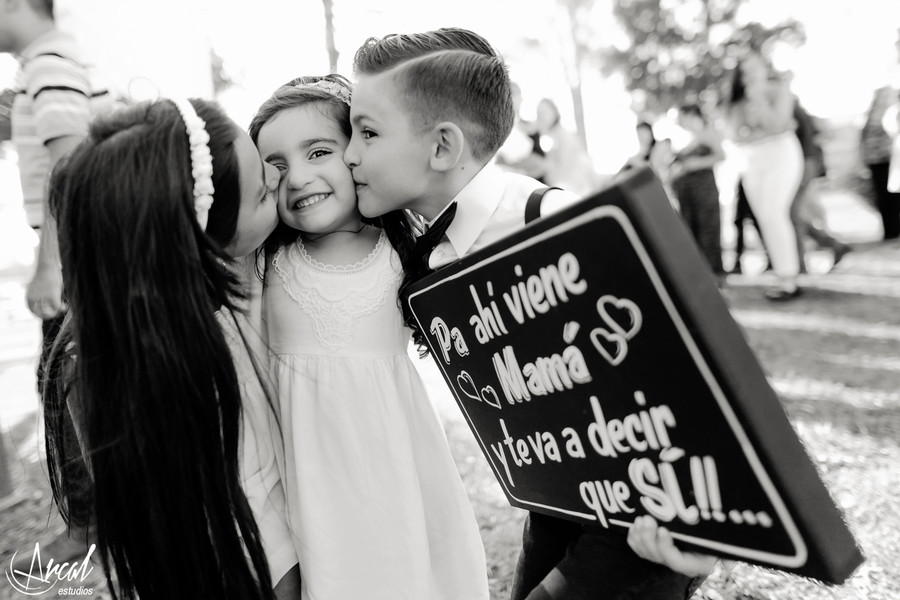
x,y
298,178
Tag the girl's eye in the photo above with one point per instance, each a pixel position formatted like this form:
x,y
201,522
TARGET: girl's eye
x,y
319,153
367,134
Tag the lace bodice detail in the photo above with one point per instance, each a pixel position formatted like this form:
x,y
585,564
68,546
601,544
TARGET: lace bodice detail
x,y
336,297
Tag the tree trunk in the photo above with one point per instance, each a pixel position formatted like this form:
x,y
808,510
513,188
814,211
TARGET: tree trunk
x,y
574,72
578,110
329,36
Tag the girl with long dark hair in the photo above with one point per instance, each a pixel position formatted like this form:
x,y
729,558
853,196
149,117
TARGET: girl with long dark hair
x,y
156,363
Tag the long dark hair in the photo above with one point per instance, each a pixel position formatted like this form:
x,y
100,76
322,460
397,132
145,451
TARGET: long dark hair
x,y
400,226
738,89
158,402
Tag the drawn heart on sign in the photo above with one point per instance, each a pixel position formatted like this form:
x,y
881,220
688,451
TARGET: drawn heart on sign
x,y
613,346
620,314
467,385
490,396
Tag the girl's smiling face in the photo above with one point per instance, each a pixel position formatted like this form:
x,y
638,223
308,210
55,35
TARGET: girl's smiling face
x,y
316,194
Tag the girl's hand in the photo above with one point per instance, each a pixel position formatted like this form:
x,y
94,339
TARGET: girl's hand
x,y
654,543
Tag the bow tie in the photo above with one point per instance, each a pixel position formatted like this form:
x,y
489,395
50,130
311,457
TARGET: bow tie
x,y
426,242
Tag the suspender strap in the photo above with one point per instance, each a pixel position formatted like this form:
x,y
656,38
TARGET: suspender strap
x,y
533,204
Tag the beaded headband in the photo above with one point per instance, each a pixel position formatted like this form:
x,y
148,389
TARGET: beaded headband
x,y
201,160
339,91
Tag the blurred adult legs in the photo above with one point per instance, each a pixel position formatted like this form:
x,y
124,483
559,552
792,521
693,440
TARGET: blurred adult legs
x,y
887,203
698,198
774,169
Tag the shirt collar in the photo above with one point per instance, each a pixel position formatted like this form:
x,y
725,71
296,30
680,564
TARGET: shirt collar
x,y
475,204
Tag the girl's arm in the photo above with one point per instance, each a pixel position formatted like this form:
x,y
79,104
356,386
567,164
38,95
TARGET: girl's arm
x,y
265,495
289,586
891,120
260,447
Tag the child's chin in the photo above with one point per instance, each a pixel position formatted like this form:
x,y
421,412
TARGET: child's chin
x,y
293,223
368,208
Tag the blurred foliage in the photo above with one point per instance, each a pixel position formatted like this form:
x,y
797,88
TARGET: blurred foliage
x,y
222,79
677,51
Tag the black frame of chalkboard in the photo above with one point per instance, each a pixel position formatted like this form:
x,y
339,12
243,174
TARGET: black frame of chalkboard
x,y
832,551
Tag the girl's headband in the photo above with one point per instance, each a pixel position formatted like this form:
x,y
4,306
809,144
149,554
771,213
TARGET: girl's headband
x,y
201,160
339,91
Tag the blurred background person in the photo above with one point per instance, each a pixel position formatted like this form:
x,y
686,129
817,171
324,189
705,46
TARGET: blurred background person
x,y
522,152
744,216
876,140
807,213
6,99
56,95
661,157
693,183
656,155
761,125
566,161
646,143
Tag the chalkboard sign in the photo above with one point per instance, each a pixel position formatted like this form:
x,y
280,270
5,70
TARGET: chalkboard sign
x,y
604,378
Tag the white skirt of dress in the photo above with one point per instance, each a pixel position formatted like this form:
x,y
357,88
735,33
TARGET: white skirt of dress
x,y
376,503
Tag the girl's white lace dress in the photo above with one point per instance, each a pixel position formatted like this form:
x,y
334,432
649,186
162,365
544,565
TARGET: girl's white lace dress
x,y
375,501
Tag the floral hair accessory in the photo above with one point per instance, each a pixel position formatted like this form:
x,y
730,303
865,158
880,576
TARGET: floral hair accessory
x,y
339,91
201,160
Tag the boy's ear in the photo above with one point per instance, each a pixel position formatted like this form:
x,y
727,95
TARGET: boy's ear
x,y
447,146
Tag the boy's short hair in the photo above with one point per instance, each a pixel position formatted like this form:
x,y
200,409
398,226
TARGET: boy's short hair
x,y
448,74
379,55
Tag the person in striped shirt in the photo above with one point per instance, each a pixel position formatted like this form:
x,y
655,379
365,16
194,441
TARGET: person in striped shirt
x,y
50,113
55,98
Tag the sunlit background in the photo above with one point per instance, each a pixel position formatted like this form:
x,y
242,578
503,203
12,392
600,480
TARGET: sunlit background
x,y
170,47
165,45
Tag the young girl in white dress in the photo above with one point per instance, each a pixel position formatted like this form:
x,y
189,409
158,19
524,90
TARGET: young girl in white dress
x,y
375,501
